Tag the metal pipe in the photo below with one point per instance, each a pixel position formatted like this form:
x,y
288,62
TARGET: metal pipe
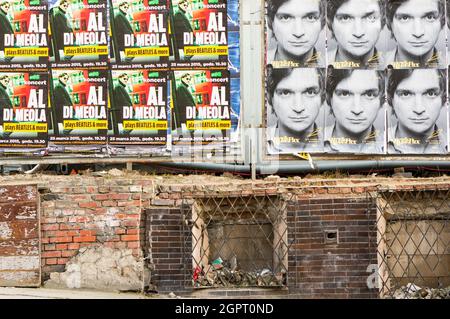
x,y
305,167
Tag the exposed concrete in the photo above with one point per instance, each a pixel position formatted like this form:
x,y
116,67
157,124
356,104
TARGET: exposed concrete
x,y
101,268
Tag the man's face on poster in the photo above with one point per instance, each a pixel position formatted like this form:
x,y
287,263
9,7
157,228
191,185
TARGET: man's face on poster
x,y
417,101
5,7
297,99
184,5
186,79
5,81
124,79
64,78
296,26
416,26
357,26
65,6
124,7
356,101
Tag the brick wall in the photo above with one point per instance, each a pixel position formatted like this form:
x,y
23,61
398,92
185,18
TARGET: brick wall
x,y
324,269
169,249
144,213
83,212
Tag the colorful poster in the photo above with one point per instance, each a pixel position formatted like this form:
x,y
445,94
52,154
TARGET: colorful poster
x,y
23,35
296,33
138,107
199,34
201,111
140,34
79,33
355,34
417,34
78,106
418,112
24,110
355,122
294,126
234,66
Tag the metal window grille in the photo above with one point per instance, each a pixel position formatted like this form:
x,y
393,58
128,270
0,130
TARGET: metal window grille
x,y
237,241
413,243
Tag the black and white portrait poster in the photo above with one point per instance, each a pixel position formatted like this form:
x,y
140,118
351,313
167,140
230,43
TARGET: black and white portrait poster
x,y
418,113
355,122
355,33
417,34
295,33
294,111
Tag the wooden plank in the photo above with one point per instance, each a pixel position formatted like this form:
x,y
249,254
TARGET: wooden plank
x,y
18,211
25,247
20,260
21,193
19,229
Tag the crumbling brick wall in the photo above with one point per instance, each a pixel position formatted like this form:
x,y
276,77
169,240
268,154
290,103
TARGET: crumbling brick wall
x,y
144,214
79,212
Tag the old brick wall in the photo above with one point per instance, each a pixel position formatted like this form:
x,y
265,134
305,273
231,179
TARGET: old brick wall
x,y
82,212
144,214
169,250
323,268
317,269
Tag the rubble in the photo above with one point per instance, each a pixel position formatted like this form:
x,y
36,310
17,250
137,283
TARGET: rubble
x,y
411,291
227,274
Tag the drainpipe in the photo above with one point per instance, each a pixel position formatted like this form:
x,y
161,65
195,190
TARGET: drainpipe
x,y
297,167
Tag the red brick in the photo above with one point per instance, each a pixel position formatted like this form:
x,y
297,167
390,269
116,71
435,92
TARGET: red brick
x,y
51,254
73,246
120,196
73,233
84,239
132,231
101,197
87,233
89,204
51,261
120,231
109,203
69,253
61,239
130,237
61,246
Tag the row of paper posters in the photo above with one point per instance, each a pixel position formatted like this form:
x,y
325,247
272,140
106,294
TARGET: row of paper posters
x,y
357,76
133,75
